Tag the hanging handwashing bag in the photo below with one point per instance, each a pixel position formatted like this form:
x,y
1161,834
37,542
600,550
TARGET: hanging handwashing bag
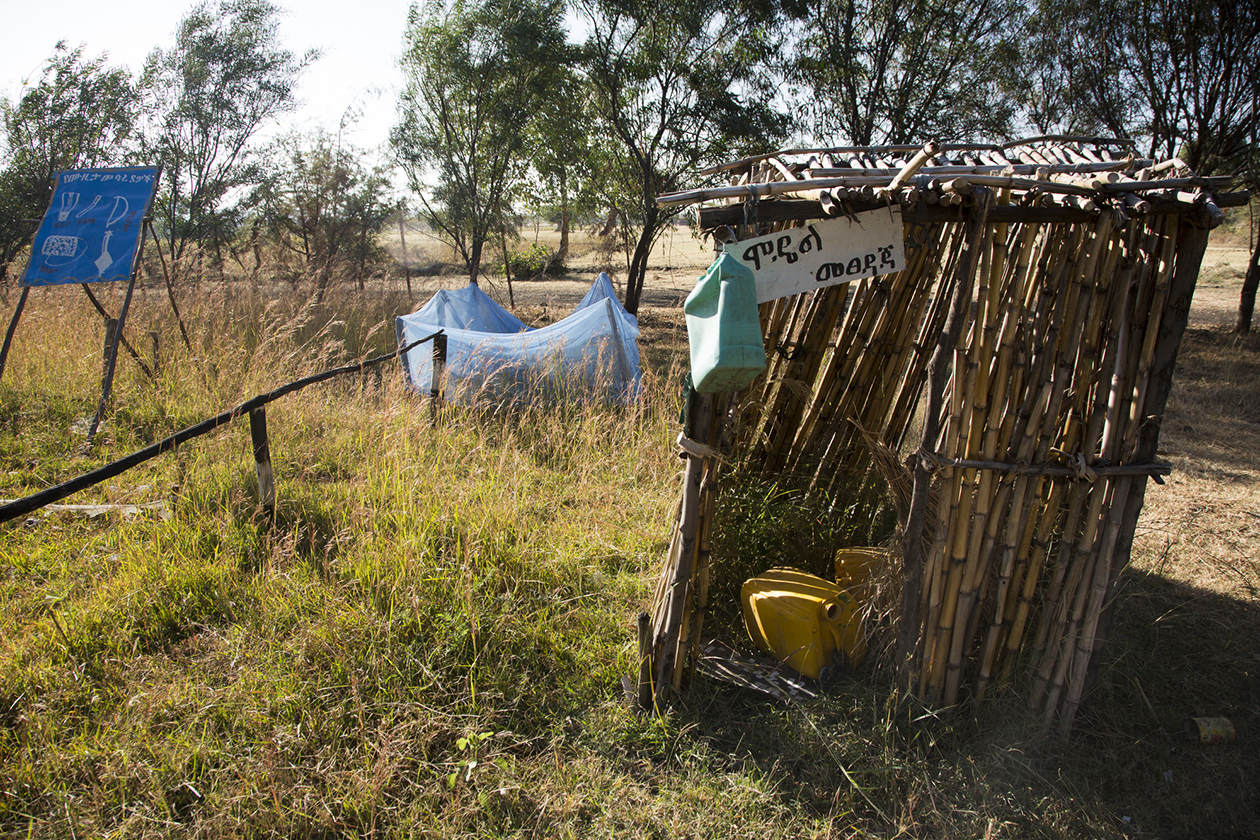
x,y
724,329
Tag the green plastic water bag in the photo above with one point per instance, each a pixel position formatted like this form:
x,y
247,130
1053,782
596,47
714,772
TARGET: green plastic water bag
x,y
724,329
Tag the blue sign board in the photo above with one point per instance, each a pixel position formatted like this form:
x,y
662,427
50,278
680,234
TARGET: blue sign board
x,y
92,230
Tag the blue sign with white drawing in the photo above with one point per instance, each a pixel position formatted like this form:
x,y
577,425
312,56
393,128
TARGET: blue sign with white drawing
x,y
91,232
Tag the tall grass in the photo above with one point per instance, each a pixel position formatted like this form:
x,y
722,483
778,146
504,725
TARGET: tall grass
x,y
429,639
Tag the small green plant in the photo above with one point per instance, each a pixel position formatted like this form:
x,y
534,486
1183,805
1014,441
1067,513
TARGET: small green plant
x,y
534,261
469,746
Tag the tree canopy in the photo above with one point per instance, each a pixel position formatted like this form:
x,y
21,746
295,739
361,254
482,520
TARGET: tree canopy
x,y
80,113
1179,77
211,92
901,71
672,89
323,205
477,72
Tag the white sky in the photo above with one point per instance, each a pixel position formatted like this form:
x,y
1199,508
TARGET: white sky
x,y
360,40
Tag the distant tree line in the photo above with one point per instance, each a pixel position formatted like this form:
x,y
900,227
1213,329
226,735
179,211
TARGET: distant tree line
x,y
504,109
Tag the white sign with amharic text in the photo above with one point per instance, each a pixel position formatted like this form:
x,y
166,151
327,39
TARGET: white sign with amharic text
x,y
824,253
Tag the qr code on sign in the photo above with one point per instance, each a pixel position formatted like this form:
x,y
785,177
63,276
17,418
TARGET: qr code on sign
x,y
60,246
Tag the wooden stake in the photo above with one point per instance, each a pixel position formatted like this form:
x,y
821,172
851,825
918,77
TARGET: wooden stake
x,y
111,337
13,322
645,693
262,462
107,382
438,378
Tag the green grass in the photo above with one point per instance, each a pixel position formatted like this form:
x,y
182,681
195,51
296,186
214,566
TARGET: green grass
x,y
429,640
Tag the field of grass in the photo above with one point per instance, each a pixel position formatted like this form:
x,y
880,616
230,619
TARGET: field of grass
x,y
429,640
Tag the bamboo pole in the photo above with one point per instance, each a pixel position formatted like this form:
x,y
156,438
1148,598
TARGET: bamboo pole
x,y
1192,238
1097,589
704,543
667,630
912,545
991,507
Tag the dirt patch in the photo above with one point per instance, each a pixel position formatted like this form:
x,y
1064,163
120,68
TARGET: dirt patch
x,y
678,259
1220,282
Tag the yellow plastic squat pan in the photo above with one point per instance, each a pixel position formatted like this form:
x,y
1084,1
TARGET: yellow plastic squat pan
x,y
806,622
856,566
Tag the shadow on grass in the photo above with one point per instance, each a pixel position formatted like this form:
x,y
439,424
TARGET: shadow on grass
x,y
1177,652
1128,768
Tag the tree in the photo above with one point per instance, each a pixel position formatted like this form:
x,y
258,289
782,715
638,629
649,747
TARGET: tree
x,y
1182,77
80,114
559,150
1054,91
223,80
902,71
324,205
476,74
673,88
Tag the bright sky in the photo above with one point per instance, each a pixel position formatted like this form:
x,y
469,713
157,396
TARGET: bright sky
x,y
360,40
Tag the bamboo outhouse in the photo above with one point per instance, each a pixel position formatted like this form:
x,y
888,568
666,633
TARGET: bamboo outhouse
x,y
1007,382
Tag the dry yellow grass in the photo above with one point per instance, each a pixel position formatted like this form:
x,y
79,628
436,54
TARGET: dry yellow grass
x,y
435,597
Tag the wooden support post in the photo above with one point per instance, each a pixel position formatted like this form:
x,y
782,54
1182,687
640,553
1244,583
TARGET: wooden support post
x,y
439,374
111,336
8,336
645,661
262,461
671,615
122,339
111,363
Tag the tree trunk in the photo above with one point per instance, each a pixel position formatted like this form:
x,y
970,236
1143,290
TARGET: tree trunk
x,y
611,223
474,262
638,266
402,235
1247,300
256,247
507,268
362,260
563,254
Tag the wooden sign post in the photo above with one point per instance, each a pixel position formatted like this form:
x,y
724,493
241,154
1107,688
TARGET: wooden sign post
x,y
92,232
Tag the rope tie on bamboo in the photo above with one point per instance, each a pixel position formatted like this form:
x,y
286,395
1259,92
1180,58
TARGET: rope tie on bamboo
x,y
1074,467
787,355
694,448
1081,468
751,208
930,461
